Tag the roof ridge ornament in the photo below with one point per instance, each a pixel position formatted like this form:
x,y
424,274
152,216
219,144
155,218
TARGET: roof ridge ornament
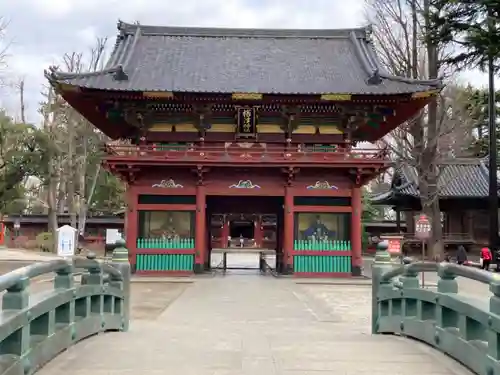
x,y
120,74
375,78
369,33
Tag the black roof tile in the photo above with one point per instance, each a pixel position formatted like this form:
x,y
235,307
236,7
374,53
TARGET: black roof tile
x,y
461,178
215,60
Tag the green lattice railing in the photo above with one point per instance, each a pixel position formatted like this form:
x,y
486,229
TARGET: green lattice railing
x,y
165,262
321,264
36,327
160,243
465,327
311,245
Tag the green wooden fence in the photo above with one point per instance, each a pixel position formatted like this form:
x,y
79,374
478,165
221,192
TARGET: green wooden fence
x,y
322,262
165,262
170,262
161,243
311,245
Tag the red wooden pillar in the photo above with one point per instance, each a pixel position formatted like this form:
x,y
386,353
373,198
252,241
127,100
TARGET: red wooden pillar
x,y
131,225
357,209
288,232
200,230
258,232
225,233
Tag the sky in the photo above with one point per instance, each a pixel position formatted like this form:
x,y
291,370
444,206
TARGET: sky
x,y
40,31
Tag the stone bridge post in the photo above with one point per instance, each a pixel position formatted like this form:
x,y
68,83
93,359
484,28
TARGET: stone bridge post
x,y
120,261
381,263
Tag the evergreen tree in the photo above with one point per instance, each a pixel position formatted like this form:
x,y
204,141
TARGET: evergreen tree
x,y
472,27
478,111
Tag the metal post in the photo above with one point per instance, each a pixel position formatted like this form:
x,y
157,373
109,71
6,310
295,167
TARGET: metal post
x,y
423,260
492,130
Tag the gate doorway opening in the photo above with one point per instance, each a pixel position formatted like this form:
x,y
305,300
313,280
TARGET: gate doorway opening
x,y
243,225
242,229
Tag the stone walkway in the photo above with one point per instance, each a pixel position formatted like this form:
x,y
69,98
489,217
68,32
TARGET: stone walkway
x,y
248,324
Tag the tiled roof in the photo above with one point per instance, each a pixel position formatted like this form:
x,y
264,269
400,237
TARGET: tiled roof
x,y
461,178
215,60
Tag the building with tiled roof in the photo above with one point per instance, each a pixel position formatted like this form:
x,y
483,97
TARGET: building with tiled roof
x,y
244,133
273,61
462,194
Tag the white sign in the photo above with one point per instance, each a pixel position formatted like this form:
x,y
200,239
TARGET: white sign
x,y
422,227
66,238
113,235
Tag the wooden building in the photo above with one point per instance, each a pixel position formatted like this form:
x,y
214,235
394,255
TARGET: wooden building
x,y
244,137
463,200
22,228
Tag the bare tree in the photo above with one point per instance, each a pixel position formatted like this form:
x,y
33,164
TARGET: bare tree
x,y
78,141
22,101
51,111
4,45
444,126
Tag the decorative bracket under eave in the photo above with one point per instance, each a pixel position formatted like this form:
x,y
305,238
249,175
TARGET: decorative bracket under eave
x,y
362,175
131,174
200,172
291,117
290,173
202,114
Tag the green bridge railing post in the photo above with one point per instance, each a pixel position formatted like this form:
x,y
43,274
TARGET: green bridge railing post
x,y
493,337
120,261
381,264
447,282
17,297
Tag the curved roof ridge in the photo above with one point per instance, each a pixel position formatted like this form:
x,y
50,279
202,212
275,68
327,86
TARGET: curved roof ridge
x,y
129,48
188,31
438,82
367,65
484,168
52,74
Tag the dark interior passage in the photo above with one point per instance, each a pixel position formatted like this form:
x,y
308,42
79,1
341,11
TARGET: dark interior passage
x,y
250,217
245,229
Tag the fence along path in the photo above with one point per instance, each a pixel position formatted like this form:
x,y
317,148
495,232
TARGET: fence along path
x,y
246,324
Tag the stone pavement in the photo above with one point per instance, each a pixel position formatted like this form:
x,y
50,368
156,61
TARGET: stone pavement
x,y
250,324
21,255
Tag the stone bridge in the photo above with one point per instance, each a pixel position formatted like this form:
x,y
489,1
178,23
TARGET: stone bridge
x,y
246,324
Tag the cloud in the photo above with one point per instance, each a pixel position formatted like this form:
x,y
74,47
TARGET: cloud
x,y
42,31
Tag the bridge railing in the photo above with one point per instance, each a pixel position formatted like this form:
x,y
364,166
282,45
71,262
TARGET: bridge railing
x,y
35,326
465,327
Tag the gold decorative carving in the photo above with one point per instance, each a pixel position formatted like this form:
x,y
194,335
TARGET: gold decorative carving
x,y
68,88
246,96
221,128
322,185
424,94
329,129
244,184
270,129
305,129
160,128
246,119
336,97
158,94
168,184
